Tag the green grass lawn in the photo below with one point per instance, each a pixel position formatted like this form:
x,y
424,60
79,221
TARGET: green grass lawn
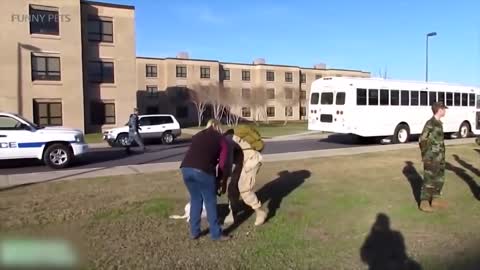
x,y
323,213
275,128
94,138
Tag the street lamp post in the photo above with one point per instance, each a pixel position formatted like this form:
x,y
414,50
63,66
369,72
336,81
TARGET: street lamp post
x,y
432,34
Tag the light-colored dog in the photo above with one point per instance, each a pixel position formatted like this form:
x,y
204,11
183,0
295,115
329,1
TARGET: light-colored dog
x,y
186,215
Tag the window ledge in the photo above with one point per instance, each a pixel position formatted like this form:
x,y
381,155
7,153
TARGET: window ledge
x,y
42,36
107,85
47,83
101,44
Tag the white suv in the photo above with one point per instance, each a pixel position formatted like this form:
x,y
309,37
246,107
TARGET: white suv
x,y
153,126
22,139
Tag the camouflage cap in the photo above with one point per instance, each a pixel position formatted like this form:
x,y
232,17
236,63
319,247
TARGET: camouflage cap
x,y
438,105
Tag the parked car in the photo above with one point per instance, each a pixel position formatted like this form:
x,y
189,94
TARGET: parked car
x,y
153,126
22,139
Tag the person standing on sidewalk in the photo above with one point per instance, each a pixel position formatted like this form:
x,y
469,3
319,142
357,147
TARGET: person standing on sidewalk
x,y
199,169
134,131
432,147
248,161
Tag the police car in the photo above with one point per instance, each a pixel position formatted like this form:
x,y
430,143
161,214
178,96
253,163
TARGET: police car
x,y
56,146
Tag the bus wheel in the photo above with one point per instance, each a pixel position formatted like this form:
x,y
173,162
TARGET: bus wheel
x,y
401,134
464,130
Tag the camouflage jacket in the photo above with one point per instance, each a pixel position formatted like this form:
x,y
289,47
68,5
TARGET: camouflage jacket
x,y
431,141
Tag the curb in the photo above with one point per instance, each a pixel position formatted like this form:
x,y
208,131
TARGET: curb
x,y
9,181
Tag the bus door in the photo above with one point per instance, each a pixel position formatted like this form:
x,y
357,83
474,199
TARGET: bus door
x,y
338,118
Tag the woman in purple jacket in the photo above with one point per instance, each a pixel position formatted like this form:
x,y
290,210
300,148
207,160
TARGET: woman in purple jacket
x,y
207,150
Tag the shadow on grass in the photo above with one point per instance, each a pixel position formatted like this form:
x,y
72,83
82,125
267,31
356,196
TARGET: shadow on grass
x,y
384,249
414,179
462,173
273,193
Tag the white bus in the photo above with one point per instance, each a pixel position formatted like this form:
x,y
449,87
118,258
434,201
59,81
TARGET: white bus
x,y
369,107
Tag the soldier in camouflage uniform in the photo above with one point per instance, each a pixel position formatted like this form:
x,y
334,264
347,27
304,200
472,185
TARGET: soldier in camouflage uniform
x,y
432,147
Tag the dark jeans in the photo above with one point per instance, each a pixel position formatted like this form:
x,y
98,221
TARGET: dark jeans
x,y
202,189
135,136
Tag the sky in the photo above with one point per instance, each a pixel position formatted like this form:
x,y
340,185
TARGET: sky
x,y
379,36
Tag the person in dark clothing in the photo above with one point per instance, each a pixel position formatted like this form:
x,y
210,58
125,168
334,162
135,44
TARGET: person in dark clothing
x,y
134,131
199,169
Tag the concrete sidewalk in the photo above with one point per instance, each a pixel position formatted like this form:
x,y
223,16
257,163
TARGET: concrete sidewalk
x,y
7,181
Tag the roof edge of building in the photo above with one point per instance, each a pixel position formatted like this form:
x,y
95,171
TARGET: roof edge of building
x,y
105,4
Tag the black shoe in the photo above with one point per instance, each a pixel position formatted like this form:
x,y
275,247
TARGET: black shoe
x,y
128,151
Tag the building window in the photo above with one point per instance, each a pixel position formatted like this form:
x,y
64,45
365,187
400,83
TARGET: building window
x,y
152,90
181,71
270,111
152,110
45,68
288,93
181,112
100,29
288,77
102,113
303,78
288,111
246,93
271,93
245,75
303,111
226,74
151,71
270,76
205,72
318,76
303,95
101,72
246,112
47,113
44,20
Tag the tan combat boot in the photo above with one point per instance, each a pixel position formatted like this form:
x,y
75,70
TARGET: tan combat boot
x,y
438,203
261,215
425,206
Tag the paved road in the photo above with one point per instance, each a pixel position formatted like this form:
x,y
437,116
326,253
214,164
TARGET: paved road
x,y
109,157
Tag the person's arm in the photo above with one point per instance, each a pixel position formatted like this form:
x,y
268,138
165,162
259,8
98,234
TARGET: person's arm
x,y
425,140
222,163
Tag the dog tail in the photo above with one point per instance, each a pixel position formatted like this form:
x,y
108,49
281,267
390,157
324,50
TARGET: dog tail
x,y
178,217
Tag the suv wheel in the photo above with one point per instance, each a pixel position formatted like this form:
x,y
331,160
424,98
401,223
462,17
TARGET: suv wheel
x,y
122,139
167,138
58,156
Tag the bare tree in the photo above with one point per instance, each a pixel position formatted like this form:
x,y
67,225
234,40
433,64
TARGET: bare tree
x,y
383,73
258,104
290,99
233,101
199,96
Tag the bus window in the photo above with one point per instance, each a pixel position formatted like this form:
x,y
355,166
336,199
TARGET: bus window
x,y
383,97
441,97
423,98
340,99
456,99
372,97
394,97
414,98
361,96
449,99
327,98
464,100
478,101
314,99
433,97
404,98
471,100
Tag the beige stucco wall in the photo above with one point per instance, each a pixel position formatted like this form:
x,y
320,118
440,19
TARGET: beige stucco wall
x,y
122,52
16,46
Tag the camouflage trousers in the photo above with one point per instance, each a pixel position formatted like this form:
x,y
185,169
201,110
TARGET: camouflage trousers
x,y
433,179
